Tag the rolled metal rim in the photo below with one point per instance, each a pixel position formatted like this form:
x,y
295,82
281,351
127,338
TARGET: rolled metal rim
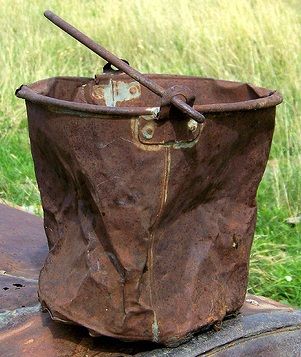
x,y
25,92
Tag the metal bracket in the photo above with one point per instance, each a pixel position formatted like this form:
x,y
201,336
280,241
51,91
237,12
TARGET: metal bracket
x,y
182,92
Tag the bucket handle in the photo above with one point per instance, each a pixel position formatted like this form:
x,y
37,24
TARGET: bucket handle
x,y
169,96
107,68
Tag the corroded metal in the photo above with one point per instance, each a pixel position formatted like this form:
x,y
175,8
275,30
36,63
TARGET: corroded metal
x,y
264,327
177,101
149,223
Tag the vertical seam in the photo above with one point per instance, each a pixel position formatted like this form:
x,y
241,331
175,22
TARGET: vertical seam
x,y
163,200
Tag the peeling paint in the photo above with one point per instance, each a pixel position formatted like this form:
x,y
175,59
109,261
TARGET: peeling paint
x,y
116,92
7,316
155,329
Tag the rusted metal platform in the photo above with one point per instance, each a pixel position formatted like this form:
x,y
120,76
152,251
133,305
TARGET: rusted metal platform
x,y
264,327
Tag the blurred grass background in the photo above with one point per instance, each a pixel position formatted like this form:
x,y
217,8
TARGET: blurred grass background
x,y
245,40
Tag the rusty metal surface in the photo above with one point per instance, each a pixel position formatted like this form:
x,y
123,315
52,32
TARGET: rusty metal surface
x,y
281,342
149,230
213,96
263,328
36,334
178,101
273,334
24,263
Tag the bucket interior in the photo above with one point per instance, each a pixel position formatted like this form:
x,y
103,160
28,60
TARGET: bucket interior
x,y
119,90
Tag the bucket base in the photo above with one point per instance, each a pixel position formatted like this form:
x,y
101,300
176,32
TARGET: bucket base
x,y
263,327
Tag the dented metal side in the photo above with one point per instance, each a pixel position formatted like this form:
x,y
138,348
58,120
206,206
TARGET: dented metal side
x,y
264,326
149,223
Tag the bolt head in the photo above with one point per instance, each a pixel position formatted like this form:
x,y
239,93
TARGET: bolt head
x,y
133,90
148,132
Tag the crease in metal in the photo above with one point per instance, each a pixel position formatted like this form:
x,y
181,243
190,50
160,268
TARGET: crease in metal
x,y
163,199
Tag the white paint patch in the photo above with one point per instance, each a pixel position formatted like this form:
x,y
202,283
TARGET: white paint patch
x,y
116,92
155,329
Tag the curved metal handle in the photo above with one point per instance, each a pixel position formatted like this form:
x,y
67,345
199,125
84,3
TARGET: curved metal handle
x,y
117,62
107,68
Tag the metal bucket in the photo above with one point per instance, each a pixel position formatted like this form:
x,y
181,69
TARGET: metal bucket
x,y
149,222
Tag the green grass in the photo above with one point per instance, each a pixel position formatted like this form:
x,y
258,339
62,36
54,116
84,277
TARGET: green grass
x,y
252,41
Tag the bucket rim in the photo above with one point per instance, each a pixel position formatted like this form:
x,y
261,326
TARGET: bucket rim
x,y
26,92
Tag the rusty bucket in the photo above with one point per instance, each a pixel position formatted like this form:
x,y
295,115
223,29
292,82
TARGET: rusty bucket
x,y
149,203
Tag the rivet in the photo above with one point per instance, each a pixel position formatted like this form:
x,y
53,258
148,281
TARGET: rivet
x,y
133,90
148,132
